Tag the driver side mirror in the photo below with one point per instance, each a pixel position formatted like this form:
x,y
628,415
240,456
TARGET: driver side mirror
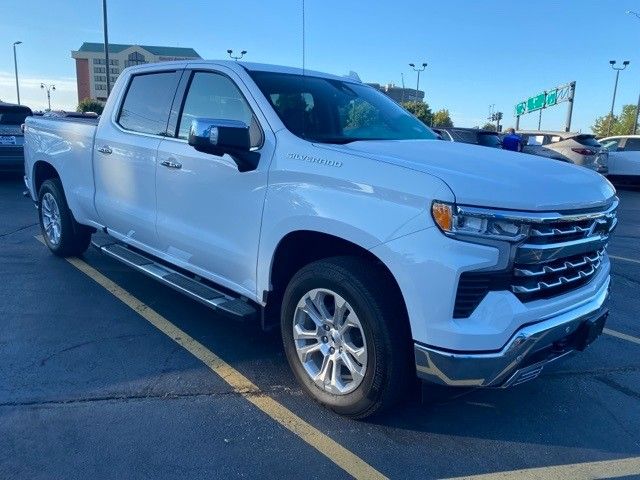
x,y
217,136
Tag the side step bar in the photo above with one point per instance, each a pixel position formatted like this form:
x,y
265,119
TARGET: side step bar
x,y
231,306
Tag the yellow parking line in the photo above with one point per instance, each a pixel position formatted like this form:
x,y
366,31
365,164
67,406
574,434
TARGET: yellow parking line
x,y
623,336
624,467
632,260
343,458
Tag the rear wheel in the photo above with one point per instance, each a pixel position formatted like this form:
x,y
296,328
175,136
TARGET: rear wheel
x,y
62,234
346,336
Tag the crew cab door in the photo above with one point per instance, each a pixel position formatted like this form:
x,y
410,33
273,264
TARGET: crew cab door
x,y
125,154
209,214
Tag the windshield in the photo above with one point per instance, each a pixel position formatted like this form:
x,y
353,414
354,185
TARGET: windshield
x,y
333,111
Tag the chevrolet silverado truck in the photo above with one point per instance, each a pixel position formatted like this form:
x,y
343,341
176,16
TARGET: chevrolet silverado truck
x,y
315,204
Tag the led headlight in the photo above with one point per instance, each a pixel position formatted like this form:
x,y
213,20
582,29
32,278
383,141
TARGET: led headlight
x,y
459,222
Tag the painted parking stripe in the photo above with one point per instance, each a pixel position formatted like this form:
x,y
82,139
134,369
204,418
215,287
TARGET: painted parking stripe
x,y
616,257
343,458
623,336
624,467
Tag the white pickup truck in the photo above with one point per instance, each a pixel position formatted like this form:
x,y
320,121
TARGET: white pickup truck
x,y
314,203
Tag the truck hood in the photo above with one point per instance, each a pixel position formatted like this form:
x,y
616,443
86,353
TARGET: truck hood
x,y
491,177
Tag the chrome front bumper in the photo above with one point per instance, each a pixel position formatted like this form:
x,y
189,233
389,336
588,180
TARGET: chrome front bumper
x,y
523,358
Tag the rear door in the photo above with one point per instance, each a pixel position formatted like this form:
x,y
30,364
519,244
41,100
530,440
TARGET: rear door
x,y
125,155
209,213
628,157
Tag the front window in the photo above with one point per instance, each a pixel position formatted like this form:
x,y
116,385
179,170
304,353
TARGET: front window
x,y
334,111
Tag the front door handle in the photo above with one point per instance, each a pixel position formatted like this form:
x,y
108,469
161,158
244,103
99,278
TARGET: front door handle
x,y
171,164
106,149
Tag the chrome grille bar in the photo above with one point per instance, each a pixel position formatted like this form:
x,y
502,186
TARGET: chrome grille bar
x,y
532,271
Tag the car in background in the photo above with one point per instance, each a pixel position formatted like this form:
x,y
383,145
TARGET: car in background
x,y
475,136
11,137
624,158
579,148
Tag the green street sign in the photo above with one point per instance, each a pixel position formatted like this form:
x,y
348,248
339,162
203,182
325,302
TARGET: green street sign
x,y
521,108
535,103
552,98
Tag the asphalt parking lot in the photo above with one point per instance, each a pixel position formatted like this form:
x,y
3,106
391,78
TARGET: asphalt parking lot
x,y
159,386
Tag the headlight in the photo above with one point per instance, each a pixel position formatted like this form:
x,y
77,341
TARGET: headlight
x,y
458,222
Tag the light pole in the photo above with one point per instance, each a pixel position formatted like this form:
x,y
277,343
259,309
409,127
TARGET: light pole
x,y
236,57
48,88
15,65
106,46
402,97
635,125
418,69
615,89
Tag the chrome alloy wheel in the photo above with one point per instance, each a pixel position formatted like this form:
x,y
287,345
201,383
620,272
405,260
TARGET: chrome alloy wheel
x,y
51,219
329,341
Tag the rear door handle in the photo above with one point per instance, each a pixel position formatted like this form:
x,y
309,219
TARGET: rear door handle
x,y
106,149
171,164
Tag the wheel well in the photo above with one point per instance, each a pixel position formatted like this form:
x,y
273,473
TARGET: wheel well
x,y
42,171
300,248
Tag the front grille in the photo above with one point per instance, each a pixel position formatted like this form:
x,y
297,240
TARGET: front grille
x,y
561,253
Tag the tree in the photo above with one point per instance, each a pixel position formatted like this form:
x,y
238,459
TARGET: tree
x,y
620,125
489,126
361,114
420,110
90,105
442,119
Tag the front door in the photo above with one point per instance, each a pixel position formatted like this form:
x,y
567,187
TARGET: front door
x,y
125,156
210,214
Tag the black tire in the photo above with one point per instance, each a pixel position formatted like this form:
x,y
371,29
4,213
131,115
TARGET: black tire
x,y
74,238
390,369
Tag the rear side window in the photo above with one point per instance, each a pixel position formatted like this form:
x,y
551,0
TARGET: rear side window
x,y
632,145
489,140
148,101
535,140
587,140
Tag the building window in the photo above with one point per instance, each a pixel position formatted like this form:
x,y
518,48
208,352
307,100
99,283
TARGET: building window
x,y
98,61
114,62
100,86
113,79
100,78
114,70
99,70
135,58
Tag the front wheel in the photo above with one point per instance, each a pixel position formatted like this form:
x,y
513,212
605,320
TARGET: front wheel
x,y
346,336
62,234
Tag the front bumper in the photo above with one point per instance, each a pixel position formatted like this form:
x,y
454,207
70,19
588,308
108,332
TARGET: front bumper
x,y
525,355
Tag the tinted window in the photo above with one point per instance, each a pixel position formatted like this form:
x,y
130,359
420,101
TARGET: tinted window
x,y
335,111
147,103
464,136
489,140
632,145
611,145
215,96
587,140
13,115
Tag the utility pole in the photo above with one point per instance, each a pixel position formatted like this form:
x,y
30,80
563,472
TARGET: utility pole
x,y
635,125
402,96
418,69
15,66
572,92
615,89
106,45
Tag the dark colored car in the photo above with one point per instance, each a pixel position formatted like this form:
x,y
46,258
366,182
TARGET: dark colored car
x,y
475,136
11,137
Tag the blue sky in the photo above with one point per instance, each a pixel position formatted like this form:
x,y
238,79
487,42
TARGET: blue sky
x,y
479,52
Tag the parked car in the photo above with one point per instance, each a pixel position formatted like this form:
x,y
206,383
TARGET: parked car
x,y
379,251
475,136
578,148
11,137
624,158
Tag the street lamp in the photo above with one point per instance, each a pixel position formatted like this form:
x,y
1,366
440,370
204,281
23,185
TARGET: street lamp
x,y
418,69
15,65
236,57
615,89
48,88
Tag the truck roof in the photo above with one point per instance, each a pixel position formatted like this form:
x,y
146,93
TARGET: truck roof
x,y
248,66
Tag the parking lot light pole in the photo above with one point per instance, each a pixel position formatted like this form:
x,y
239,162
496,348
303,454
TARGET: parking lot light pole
x,y
48,88
615,89
418,69
15,66
106,45
635,125
236,57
